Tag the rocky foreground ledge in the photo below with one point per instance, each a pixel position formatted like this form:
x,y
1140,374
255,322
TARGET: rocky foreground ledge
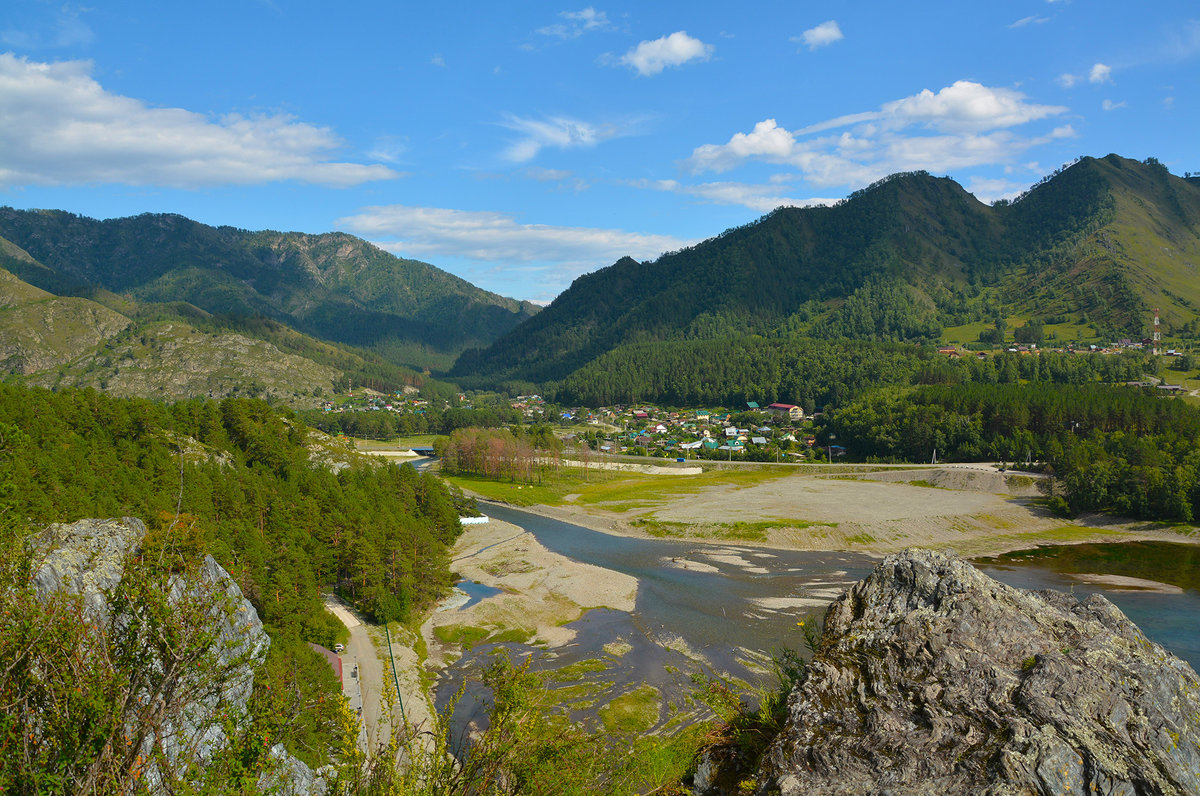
x,y
88,558
932,678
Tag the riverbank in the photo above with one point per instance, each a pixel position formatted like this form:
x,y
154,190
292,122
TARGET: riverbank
x,y
949,508
539,592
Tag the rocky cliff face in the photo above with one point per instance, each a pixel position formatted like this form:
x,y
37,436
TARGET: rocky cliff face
x,y
89,558
932,678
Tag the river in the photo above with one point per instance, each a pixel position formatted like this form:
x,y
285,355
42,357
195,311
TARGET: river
x,y
727,605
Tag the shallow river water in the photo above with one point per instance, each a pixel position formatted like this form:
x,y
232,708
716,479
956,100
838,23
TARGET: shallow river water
x,y
726,605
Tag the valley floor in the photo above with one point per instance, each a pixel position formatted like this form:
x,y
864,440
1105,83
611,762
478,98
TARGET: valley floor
x,y
971,510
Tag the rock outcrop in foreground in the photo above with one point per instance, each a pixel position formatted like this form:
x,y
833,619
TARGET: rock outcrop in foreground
x,y
89,558
932,678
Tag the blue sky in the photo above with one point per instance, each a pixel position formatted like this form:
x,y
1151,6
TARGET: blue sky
x,y
522,147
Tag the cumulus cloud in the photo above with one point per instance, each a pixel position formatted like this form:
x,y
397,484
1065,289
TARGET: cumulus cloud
x,y
966,107
498,239
651,57
1101,73
576,23
1067,80
60,126
558,132
1110,105
822,35
966,124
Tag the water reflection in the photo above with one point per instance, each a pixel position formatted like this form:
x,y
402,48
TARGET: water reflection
x,y
1170,617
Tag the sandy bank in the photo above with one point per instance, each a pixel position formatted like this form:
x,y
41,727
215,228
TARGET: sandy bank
x,y
1126,583
540,591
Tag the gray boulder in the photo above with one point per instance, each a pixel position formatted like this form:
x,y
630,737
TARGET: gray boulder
x,y
88,558
932,678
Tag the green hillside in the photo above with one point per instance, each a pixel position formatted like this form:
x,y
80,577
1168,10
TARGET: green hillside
x,y
171,351
1099,243
333,286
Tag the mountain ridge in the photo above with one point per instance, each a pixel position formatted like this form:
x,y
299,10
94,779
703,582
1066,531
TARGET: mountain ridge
x,y
1103,241
331,285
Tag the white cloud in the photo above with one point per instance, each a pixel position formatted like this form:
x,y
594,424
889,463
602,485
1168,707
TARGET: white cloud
x,y
1067,80
651,57
559,132
559,253
967,106
564,179
437,60
67,30
989,190
498,237
1100,73
547,175
577,23
759,198
1183,42
59,126
1109,105
1031,20
962,125
822,35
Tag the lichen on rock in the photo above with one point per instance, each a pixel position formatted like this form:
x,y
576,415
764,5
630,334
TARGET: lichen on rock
x,y
195,649
932,678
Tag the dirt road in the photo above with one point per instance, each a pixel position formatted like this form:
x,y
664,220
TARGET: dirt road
x,y
362,676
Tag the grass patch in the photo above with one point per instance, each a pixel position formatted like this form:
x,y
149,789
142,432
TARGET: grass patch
x,y
661,528
655,489
465,636
578,696
578,670
924,483
1065,533
861,538
514,635
511,493
508,567
741,531
631,506
396,443
632,713
618,648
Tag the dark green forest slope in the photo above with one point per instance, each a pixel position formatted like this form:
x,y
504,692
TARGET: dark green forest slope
x,y
284,526
1103,241
236,479
333,286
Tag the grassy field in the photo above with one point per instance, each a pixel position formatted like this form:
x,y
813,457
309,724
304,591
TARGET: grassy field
x,y
616,491
1057,334
397,443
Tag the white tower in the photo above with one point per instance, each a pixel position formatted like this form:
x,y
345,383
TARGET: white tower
x,y
1157,334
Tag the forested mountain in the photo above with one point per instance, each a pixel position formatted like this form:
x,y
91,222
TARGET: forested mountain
x,y
333,286
172,351
1101,242
253,487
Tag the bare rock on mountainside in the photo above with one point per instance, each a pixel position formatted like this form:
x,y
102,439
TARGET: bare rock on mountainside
x,y
90,558
932,678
